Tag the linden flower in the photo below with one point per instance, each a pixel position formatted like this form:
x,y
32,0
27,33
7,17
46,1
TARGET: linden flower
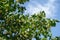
x,y
0,11
17,0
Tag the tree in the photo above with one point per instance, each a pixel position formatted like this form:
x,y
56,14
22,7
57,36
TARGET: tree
x,y
17,26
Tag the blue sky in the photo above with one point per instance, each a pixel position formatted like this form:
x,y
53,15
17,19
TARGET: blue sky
x,y
51,7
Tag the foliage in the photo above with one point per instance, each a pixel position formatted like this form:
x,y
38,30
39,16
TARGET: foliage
x,y
17,26
56,38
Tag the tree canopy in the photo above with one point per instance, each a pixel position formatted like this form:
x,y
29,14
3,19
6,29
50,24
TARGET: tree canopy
x,y
17,26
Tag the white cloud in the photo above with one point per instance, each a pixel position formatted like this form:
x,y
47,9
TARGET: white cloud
x,y
34,7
